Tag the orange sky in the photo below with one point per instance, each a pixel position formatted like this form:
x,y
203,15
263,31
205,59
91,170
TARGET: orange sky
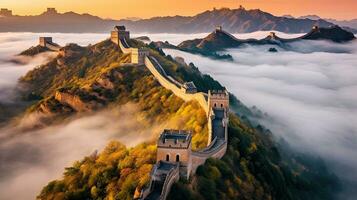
x,y
341,9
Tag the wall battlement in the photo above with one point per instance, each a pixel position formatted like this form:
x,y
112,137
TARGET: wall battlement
x,y
180,139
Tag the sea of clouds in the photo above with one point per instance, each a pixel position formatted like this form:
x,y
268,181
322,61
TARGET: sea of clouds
x,y
310,93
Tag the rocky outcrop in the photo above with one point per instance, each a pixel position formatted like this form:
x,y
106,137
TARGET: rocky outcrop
x,y
75,102
104,82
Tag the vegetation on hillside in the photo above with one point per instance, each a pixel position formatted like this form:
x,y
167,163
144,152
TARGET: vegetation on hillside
x,y
94,77
113,174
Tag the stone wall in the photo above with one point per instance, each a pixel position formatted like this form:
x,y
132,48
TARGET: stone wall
x,y
200,97
172,177
200,157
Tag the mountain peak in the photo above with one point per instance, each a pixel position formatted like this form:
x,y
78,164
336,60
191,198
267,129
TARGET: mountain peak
x,y
333,33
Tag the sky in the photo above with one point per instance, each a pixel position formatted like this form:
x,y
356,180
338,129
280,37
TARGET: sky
x,y
118,9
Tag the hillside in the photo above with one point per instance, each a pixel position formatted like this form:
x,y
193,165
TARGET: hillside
x,y
233,20
334,33
92,78
98,76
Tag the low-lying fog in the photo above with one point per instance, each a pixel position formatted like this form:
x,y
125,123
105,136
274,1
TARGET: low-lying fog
x,y
29,161
311,95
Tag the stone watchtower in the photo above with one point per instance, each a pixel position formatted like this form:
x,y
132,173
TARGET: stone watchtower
x,y
118,33
174,146
44,40
218,99
4,12
218,105
272,35
218,29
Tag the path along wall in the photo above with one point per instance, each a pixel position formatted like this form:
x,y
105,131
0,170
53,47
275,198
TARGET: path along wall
x,y
200,97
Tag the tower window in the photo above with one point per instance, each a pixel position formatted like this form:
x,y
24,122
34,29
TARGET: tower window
x,y
167,157
215,105
221,105
177,158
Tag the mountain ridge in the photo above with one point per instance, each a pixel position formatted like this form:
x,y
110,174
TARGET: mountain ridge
x,y
233,20
220,40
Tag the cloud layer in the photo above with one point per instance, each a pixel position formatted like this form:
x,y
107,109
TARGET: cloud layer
x,y
28,161
311,94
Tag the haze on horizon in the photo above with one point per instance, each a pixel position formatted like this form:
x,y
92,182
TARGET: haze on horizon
x,y
345,9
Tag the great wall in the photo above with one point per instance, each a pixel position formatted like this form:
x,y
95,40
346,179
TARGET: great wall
x,y
175,158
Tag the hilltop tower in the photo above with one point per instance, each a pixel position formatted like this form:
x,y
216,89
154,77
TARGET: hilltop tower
x,y
51,11
272,35
119,33
174,146
218,29
315,28
4,12
43,41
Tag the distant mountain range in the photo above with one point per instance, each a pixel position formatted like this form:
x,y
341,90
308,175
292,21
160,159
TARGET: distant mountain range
x,y
343,23
220,39
233,20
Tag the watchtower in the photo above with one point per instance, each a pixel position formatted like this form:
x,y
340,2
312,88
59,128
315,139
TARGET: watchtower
x,y
218,99
119,33
51,11
44,40
138,55
218,29
174,146
189,88
315,28
272,35
4,12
